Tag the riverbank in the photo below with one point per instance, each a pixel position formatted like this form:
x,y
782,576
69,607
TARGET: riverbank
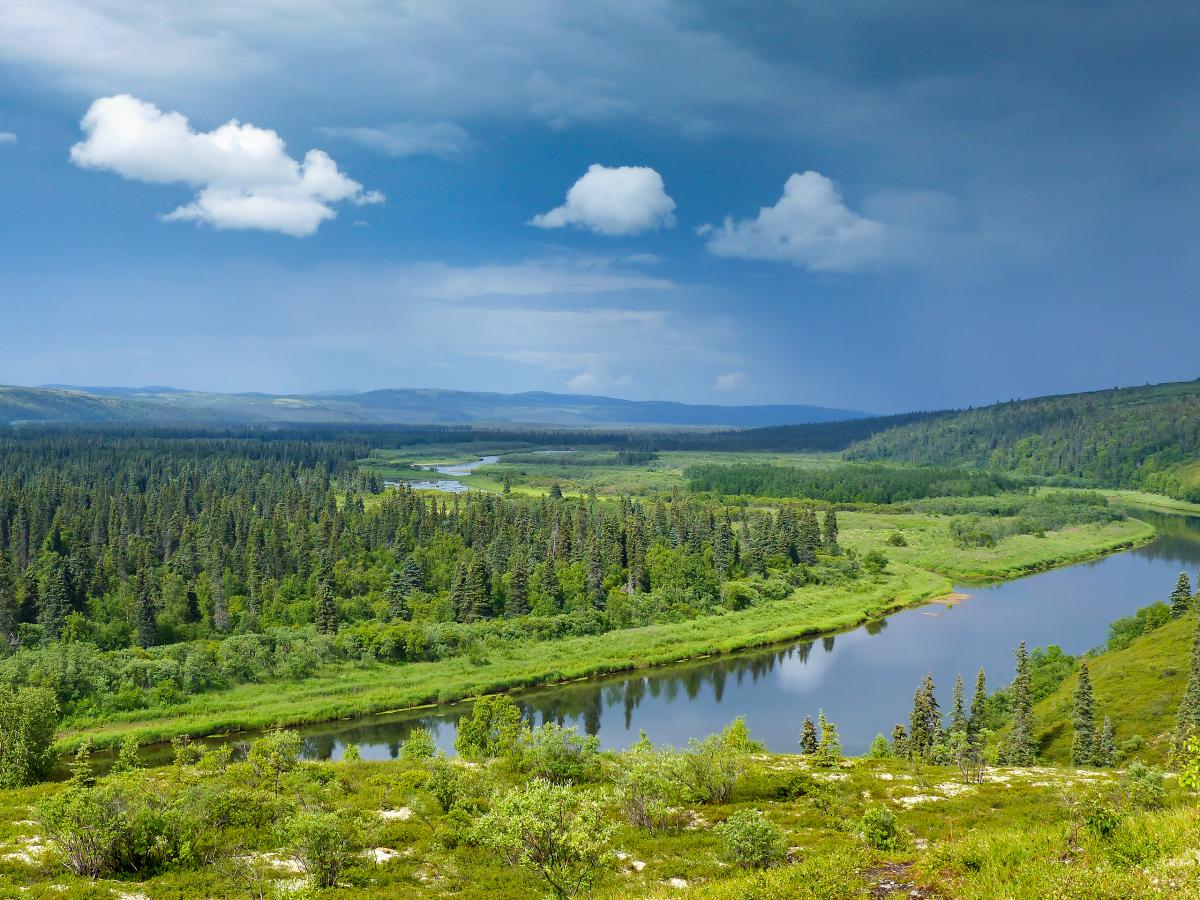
x,y
347,691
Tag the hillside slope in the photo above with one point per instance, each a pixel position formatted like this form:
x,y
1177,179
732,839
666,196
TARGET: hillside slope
x,y
387,407
1142,437
1138,687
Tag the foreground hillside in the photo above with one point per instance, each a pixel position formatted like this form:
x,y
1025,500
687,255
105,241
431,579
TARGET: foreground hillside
x,y
1143,437
543,813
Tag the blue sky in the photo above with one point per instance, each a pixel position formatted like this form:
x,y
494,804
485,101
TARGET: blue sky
x,y
877,206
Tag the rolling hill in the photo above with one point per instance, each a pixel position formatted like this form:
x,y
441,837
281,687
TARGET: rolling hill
x,y
163,405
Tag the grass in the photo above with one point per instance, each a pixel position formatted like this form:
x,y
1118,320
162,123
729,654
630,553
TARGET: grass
x,y
1138,687
1023,833
346,691
929,545
1154,501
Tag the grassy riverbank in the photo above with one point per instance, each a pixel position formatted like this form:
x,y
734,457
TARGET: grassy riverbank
x,y
345,691
923,570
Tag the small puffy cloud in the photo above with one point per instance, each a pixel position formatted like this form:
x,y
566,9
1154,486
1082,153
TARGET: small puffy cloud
x,y
810,227
614,201
730,381
242,174
7,137
442,139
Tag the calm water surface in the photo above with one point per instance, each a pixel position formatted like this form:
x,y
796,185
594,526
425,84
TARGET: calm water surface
x,y
864,679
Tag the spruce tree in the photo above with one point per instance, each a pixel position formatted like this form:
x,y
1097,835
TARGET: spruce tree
x,y
958,712
1083,744
1181,597
978,706
413,579
518,590
925,723
9,609
1019,751
53,604
1187,720
397,597
595,575
829,750
809,538
220,609
900,746
325,615
145,623
829,530
808,736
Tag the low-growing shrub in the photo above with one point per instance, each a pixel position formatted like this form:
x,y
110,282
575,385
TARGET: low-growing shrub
x,y
880,829
750,840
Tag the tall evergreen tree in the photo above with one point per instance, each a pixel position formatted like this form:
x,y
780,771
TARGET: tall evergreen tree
x,y
900,741
1181,597
9,607
595,575
1020,749
518,589
477,601
1083,743
809,539
325,616
808,736
54,603
925,722
145,621
1187,719
958,712
978,706
397,597
220,607
829,530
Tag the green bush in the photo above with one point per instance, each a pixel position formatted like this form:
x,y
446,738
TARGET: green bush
x,y
750,840
492,728
880,829
561,755
648,787
28,718
321,843
1144,785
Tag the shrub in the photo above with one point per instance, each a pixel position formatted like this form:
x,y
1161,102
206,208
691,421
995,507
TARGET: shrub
x,y
559,833
560,754
1144,785
418,746
28,718
273,754
709,769
880,830
321,843
351,753
648,787
445,783
750,840
492,728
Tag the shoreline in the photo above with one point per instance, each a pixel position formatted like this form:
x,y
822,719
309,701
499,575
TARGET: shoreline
x,y
374,691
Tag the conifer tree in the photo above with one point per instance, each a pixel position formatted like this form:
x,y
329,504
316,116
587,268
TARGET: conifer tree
x,y
477,602
808,736
900,746
9,609
978,706
1181,597
413,580
829,750
595,575
829,530
325,616
925,723
397,597
1083,744
809,538
54,604
1019,751
220,608
518,590
144,621
958,712
723,549
1187,720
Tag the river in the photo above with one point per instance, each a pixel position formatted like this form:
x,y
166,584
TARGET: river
x,y
864,679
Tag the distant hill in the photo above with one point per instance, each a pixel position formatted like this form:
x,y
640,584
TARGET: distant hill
x,y
164,405
1142,437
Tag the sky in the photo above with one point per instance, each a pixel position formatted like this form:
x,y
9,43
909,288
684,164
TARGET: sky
x,y
877,206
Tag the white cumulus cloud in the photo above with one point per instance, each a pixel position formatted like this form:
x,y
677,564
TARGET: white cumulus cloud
x,y
243,175
614,201
730,381
7,137
442,139
810,226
